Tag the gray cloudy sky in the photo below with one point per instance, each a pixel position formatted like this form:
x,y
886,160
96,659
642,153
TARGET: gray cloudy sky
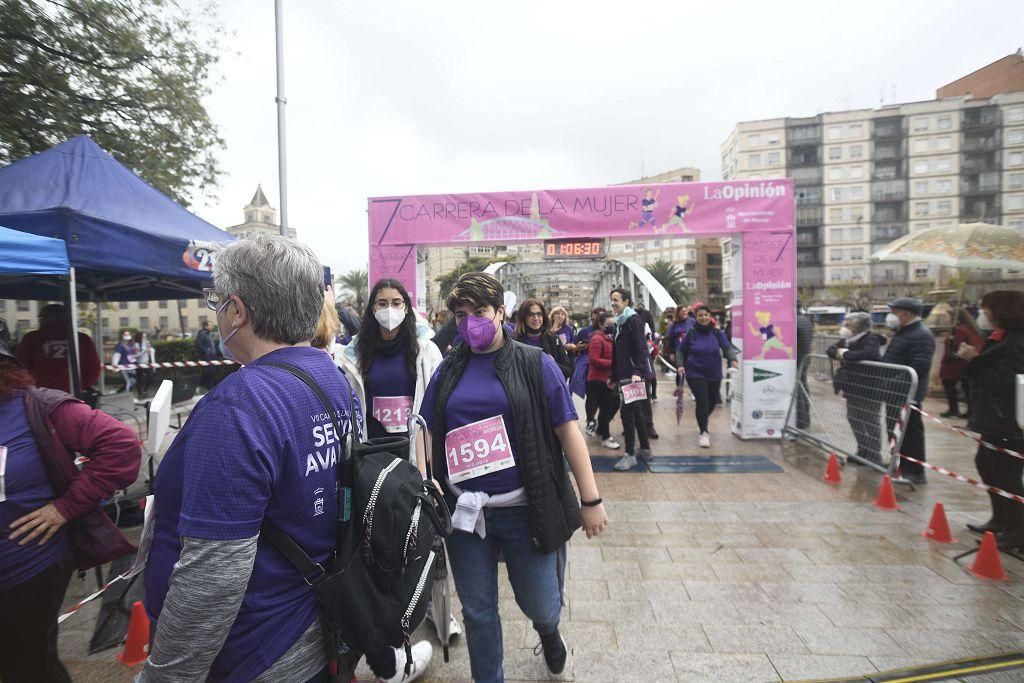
x,y
412,97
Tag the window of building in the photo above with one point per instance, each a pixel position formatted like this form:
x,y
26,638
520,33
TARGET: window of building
x,y
1015,181
835,153
1015,158
122,322
773,138
856,130
857,192
920,124
944,122
202,319
754,140
835,173
3,304
920,208
123,305
855,254
921,273
691,254
1015,202
921,145
755,160
920,167
944,207
774,158
857,172
835,215
1016,223
144,322
836,255
628,246
856,151
618,248
162,303
920,187
163,322
21,305
944,185
835,193
655,244
143,305
836,276
835,133
944,143
943,165
1015,114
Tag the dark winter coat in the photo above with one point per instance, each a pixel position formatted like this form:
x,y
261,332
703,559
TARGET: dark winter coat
x,y
63,425
993,386
551,500
631,356
914,346
851,376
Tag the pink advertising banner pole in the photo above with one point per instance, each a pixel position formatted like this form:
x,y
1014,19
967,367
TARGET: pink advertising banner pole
x,y
398,224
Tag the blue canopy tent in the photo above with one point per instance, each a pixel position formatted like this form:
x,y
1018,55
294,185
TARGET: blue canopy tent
x,y
25,253
125,240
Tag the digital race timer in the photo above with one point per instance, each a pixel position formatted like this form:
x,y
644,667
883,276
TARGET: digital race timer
x,y
574,248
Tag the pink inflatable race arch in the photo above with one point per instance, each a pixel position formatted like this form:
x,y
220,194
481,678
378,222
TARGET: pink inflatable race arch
x,y
759,214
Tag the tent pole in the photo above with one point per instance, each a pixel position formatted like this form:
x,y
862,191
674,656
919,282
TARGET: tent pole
x,y
71,318
98,339
281,101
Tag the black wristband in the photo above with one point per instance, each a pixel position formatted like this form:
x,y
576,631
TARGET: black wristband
x,y
591,503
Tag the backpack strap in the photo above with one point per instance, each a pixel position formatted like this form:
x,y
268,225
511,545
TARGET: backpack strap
x,y
282,541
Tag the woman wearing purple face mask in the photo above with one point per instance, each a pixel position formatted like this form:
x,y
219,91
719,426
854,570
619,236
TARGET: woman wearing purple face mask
x,y
500,419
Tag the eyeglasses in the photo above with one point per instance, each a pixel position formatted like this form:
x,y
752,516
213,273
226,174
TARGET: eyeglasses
x,y
381,304
535,314
213,299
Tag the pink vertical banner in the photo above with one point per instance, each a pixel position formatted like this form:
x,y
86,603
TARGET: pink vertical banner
x,y
769,296
398,263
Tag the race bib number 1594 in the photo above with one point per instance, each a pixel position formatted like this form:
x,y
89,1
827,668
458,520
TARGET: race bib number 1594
x,y
478,448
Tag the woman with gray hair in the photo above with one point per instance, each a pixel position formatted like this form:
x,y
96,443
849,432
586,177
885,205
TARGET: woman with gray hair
x,y
260,448
863,407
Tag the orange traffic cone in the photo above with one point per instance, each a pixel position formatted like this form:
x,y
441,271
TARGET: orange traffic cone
x,y
137,645
988,565
832,475
886,499
938,528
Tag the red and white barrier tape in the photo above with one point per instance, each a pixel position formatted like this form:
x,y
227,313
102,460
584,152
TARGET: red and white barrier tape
x,y
174,364
966,480
963,432
86,600
897,432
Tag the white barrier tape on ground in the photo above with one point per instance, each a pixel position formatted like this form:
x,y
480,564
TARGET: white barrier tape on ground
x,y
175,364
966,480
963,432
141,558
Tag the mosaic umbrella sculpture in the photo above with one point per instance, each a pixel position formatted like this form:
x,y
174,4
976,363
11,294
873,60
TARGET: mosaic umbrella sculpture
x,y
968,245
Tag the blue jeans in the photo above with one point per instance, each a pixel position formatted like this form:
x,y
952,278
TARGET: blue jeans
x,y
534,579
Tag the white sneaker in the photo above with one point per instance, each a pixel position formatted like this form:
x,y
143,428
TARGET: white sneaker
x,y
591,428
704,441
421,654
626,462
610,443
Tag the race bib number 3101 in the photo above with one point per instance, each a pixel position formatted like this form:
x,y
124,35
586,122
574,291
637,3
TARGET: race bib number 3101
x,y
478,448
393,412
637,391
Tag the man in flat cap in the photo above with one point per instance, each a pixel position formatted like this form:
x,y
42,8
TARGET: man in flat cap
x,y
913,345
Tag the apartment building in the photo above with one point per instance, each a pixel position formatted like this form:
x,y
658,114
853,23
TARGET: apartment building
x,y
866,177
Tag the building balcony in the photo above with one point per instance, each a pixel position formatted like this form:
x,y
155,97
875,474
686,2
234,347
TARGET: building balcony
x,y
806,176
979,164
808,216
887,130
889,152
810,276
980,119
889,191
973,186
982,144
803,135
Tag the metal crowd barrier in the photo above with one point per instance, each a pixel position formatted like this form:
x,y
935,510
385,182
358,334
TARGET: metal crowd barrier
x,y
858,410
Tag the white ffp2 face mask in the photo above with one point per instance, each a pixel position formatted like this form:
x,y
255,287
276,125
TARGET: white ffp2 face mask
x,y
389,318
893,321
984,323
845,332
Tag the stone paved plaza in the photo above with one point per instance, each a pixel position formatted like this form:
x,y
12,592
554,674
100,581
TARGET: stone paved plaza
x,y
745,577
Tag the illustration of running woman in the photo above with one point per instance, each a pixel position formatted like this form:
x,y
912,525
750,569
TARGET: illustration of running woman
x,y
683,205
648,204
770,337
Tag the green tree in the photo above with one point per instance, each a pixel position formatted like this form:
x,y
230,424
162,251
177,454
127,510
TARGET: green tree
x,y
132,74
470,265
357,284
671,278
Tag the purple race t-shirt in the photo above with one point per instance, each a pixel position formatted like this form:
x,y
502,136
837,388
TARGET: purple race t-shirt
x,y
480,395
27,489
388,376
259,446
531,340
567,334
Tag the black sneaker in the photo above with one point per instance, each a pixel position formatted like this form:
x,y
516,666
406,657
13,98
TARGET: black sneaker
x,y
555,653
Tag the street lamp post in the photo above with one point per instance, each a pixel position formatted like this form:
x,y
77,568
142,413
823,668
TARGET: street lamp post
x,y
281,101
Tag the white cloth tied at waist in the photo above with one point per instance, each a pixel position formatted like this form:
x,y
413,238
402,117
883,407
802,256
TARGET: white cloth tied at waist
x,y
468,515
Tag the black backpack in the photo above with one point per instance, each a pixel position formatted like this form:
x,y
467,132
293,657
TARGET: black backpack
x,y
376,590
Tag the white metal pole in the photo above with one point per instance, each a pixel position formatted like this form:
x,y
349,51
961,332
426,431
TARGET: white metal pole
x,y
281,101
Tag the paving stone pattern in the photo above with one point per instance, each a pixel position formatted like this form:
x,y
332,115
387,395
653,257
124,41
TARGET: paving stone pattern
x,y
745,577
